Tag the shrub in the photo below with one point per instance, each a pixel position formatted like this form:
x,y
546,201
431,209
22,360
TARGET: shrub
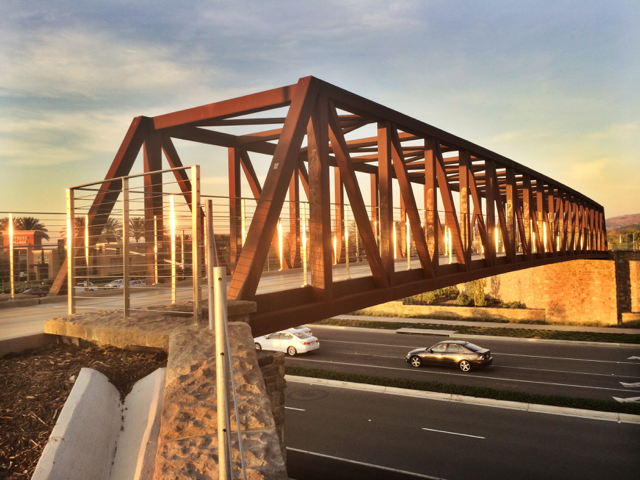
x,y
463,300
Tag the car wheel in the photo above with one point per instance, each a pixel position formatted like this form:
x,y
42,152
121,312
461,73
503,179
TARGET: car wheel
x,y
415,361
464,365
258,346
291,351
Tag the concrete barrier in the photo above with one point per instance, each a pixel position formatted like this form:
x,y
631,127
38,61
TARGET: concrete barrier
x,y
97,437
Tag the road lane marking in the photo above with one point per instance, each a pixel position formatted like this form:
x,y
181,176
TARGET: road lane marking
x,y
630,385
298,409
454,433
608,375
627,400
364,464
493,352
464,375
498,367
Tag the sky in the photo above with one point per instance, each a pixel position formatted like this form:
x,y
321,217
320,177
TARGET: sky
x,y
554,85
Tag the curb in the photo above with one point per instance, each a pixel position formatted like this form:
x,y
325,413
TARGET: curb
x,y
487,402
489,337
22,343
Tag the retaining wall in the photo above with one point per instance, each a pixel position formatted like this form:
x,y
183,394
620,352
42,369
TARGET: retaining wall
x,y
580,291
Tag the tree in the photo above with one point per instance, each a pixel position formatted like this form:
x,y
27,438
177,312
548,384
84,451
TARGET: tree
x,y
111,231
25,223
137,227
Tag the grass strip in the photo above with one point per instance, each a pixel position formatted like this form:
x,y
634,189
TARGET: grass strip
x,y
481,392
581,336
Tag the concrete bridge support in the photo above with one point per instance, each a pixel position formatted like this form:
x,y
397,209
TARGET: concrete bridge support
x,y
581,291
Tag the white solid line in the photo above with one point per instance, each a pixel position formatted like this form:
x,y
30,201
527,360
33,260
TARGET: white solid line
x,y
630,385
419,475
453,433
498,367
464,375
627,400
298,409
495,353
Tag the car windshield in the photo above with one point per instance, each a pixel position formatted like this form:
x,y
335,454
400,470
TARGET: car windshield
x,y
301,335
472,347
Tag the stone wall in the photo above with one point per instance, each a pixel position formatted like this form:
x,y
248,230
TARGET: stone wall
x,y
188,437
272,368
579,291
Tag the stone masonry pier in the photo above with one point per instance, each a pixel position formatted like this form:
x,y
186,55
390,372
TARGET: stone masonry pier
x,y
187,443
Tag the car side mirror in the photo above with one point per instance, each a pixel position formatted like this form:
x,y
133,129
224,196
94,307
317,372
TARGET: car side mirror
x,y
430,350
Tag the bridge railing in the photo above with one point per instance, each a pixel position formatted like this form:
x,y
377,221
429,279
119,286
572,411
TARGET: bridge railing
x,y
31,249
136,233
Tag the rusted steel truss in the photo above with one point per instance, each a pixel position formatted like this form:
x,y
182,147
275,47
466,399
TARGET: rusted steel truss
x,y
487,199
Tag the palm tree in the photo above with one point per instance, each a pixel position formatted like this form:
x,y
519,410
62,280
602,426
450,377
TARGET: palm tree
x,y
25,223
111,231
79,228
31,223
137,227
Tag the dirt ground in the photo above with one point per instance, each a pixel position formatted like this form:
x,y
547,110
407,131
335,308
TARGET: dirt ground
x,y
35,384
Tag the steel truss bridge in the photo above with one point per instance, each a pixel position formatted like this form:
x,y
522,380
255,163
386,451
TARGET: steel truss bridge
x,y
498,215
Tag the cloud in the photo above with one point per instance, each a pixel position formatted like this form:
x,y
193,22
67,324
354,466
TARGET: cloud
x,y
94,64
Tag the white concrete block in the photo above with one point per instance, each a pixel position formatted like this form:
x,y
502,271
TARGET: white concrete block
x,y
82,443
138,442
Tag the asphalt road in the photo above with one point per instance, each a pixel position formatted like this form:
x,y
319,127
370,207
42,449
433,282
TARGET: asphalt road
x,y
559,368
341,433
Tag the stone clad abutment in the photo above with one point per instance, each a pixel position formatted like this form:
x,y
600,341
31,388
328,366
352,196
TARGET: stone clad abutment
x,y
581,291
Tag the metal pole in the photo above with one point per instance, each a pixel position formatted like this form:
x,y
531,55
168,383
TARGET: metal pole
x,y
12,281
172,220
406,223
220,294
195,238
70,259
243,221
155,246
126,288
210,253
304,246
346,240
86,249
357,242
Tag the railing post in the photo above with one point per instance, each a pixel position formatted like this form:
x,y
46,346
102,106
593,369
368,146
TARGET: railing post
x,y
196,234
126,289
71,229
11,268
172,223
218,277
346,240
303,217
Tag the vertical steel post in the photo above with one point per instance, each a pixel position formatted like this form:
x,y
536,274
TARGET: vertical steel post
x,y
86,250
195,239
346,240
11,268
126,289
304,245
70,258
172,223
243,221
155,247
210,254
219,274
408,230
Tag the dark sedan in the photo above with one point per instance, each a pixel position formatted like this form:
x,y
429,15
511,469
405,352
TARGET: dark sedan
x,y
458,353
36,291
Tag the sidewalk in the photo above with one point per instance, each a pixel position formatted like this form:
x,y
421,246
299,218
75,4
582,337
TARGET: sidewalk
x,y
523,326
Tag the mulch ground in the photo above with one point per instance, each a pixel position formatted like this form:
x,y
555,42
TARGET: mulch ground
x,y
35,384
